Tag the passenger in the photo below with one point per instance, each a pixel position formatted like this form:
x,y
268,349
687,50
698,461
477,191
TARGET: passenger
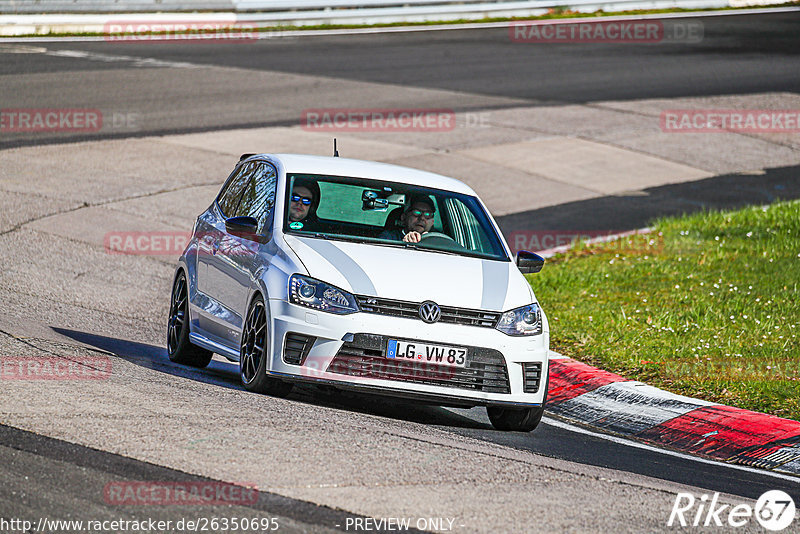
x,y
416,220
304,202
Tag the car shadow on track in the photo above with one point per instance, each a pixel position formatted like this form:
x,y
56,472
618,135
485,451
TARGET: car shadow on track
x,y
219,372
222,373
621,212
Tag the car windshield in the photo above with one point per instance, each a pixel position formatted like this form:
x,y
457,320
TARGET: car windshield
x,y
378,212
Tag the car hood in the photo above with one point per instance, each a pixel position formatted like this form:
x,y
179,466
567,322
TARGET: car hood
x,y
414,275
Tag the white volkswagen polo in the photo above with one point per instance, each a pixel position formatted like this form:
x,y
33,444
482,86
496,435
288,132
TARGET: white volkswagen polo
x,y
361,275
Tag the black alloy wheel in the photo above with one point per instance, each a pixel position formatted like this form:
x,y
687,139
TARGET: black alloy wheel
x,y
179,348
253,354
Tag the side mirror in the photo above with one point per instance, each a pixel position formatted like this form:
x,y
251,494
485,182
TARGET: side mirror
x,y
528,262
244,227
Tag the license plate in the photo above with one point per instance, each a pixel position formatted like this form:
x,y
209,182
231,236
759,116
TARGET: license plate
x,y
427,353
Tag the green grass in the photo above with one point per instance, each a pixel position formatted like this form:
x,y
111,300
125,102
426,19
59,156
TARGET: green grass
x,y
707,306
554,13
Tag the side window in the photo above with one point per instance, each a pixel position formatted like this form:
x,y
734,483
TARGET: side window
x,y
468,231
437,217
229,197
258,199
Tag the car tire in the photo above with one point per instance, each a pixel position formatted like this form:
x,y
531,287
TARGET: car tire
x,y
517,419
253,353
179,348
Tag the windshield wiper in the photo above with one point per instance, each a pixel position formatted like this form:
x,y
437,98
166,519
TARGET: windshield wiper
x,y
337,237
417,246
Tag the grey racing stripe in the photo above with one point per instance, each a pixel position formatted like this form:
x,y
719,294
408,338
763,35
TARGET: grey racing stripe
x,y
355,275
495,284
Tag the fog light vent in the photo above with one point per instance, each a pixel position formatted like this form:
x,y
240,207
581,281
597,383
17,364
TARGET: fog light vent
x,y
296,348
531,376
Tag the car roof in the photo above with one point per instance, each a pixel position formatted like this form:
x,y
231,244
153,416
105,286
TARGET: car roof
x,y
336,166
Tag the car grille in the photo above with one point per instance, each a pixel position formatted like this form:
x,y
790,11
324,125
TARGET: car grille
x,y
531,376
410,310
296,348
365,357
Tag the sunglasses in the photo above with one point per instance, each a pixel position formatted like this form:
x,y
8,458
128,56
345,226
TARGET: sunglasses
x,y
420,213
305,200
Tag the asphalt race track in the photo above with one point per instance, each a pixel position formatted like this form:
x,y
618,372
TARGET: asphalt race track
x,y
568,139
738,55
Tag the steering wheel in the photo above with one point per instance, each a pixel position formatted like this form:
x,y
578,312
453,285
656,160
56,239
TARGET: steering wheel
x,y
441,241
440,235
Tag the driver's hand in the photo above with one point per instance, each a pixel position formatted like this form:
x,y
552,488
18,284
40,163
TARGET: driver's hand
x,y
412,237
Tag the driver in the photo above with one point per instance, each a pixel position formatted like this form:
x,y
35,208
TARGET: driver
x,y
417,219
304,201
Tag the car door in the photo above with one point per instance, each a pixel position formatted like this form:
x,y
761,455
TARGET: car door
x,y
210,233
231,268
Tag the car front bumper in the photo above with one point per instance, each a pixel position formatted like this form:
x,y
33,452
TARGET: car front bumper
x,y
349,351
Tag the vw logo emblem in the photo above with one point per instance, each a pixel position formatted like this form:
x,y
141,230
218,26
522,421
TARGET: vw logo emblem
x,y
430,312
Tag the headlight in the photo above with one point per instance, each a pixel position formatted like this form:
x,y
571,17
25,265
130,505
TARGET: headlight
x,y
524,321
312,293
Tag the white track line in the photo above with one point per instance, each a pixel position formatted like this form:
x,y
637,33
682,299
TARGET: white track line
x,y
630,443
277,34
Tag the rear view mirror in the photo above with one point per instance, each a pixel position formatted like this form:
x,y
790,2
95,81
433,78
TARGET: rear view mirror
x,y
528,262
371,200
